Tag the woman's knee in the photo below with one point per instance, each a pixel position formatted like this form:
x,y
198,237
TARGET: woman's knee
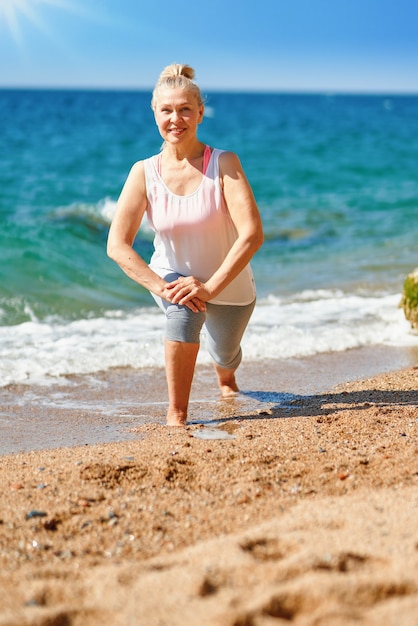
x,y
227,360
226,325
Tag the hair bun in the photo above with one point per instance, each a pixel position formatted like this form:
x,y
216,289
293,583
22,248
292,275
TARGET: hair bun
x,y
177,69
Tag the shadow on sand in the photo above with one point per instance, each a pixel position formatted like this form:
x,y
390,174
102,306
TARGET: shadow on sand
x,y
287,405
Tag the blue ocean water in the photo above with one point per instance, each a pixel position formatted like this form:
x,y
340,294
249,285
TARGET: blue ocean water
x,y
335,177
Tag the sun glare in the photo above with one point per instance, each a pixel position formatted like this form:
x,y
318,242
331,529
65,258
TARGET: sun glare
x,y
12,10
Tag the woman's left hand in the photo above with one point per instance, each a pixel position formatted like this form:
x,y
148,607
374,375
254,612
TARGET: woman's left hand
x,y
187,288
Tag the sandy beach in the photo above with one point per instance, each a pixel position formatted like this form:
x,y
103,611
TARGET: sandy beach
x,y
295,503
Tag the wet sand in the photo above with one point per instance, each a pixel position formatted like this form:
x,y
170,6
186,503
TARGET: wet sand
x,y
295,503
105,407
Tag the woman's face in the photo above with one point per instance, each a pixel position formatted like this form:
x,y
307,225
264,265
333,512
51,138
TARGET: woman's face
x,y
177,114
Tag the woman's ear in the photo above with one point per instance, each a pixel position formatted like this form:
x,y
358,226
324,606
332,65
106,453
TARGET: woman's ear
x,y
201,112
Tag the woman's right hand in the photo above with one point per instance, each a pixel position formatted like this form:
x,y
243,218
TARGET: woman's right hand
x,y
195,304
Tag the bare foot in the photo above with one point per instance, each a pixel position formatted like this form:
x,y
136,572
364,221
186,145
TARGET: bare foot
x,y
229,392
175,418
226,381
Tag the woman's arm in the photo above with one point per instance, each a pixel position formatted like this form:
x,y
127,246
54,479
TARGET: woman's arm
x,y
130,211
246,218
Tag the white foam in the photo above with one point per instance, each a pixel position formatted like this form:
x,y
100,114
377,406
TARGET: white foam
x,y
326,321
107,208
308,323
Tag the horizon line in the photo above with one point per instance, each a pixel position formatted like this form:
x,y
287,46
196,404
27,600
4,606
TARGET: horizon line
x,y
237,90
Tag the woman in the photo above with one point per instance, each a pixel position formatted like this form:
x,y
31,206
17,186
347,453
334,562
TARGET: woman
x,y
207,228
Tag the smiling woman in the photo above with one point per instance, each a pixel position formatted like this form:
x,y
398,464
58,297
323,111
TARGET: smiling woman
x,y
207,228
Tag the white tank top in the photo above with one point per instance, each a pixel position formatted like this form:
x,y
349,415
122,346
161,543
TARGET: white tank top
x,y
194,233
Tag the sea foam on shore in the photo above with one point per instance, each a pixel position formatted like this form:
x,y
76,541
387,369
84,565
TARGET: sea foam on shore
x,y
305,324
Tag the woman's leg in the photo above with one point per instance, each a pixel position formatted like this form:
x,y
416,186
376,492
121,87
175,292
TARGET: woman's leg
x,y
182,342
180,361
225,325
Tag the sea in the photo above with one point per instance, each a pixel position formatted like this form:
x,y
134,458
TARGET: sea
x,y
335,179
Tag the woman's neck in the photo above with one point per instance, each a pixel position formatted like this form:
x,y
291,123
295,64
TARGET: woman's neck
x,y
181,152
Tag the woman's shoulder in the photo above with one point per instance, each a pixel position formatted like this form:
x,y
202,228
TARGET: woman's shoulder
x,y
228,160
148,160
226,154
136,175
140,165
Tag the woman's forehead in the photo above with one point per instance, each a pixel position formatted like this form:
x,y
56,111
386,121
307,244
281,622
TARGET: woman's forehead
x,y
168,95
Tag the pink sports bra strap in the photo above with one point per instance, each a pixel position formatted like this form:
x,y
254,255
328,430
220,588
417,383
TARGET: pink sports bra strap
x,y
206,158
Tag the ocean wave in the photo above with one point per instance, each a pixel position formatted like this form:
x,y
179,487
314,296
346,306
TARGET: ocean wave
x,y
100,212
307,323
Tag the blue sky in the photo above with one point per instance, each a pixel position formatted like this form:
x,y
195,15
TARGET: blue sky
x,y
278,45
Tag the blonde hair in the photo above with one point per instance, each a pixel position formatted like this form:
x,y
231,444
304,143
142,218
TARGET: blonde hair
x,y
177,76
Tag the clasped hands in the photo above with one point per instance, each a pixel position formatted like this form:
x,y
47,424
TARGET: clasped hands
x,y
187,291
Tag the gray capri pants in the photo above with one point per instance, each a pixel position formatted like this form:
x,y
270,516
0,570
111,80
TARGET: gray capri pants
x,y
225,325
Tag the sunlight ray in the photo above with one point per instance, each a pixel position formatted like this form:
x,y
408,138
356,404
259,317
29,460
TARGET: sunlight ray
x,y
9,16
12,10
